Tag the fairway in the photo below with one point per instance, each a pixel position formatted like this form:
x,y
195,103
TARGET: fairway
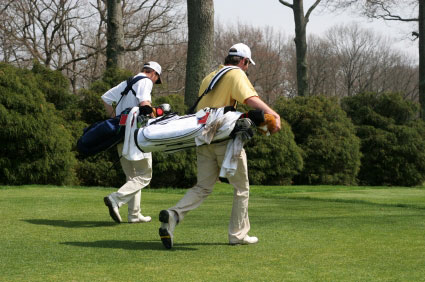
x,y
306,233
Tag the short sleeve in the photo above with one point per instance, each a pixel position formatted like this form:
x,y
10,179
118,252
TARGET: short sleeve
x,y
143,90
242,88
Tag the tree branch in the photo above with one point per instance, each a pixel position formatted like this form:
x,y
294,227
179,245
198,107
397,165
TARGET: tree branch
x,y
311,9
287,4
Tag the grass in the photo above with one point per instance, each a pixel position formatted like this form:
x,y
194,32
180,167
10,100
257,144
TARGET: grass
x,y
310,233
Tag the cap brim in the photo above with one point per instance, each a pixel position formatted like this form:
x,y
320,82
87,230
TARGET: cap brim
x,y
252,61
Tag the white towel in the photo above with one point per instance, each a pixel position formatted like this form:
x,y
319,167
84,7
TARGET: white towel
x,y
218,126
230,161
130,150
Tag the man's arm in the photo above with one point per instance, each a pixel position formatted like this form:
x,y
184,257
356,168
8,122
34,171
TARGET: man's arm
x,y
109,110
256,103
144,103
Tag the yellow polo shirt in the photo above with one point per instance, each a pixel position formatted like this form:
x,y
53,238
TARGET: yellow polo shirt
x,y
233,86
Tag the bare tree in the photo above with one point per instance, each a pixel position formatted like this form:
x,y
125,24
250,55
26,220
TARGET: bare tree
x,y
301,21
200,46
352,60
321,67
393,10
38,28
70,35
355,50
273,73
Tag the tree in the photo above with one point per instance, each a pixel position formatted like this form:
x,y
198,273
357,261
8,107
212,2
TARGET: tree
x,y
392,10
422,57
70,36
115,35
350,60
301,21
49,31
200,16
273,74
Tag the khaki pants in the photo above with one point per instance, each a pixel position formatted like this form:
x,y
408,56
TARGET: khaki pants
x,y
138,176
209,159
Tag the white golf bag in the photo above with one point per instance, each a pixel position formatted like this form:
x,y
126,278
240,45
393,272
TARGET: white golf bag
x,y
172,133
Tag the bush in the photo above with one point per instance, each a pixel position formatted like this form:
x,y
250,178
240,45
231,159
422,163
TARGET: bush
x,y
103,169
330,148
176,170
275,159
54,86
392,139
36,146
176,102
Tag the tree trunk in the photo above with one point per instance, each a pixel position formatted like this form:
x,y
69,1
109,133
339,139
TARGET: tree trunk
x,y
422,58
301,47
201,42
115,35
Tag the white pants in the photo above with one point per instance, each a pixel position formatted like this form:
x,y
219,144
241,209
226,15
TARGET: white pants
x,y
138,176
209,160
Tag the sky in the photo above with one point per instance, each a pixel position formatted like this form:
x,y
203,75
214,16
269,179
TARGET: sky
x,y
272,13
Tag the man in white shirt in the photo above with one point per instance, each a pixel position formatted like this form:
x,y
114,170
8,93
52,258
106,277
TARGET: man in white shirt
x,y
138,172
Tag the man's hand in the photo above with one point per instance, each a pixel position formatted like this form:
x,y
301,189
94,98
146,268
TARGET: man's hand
x,y
257,103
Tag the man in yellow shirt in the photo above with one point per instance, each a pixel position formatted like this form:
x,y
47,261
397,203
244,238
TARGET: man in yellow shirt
x,y
234,87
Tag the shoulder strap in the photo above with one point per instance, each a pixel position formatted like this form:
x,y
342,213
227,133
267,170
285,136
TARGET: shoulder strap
x,y
213,82
130,82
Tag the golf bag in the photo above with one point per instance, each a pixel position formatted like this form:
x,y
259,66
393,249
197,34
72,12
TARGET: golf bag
x,y
100,136
104,134
173,133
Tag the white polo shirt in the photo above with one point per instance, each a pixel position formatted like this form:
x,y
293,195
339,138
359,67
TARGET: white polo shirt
x,y
143,90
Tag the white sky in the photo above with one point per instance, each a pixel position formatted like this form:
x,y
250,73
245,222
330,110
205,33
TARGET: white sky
x,y
260,13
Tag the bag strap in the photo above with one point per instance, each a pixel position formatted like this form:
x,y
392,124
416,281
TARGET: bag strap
x,y
213,82
130,82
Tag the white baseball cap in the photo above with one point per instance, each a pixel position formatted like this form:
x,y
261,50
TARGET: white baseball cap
x,y
156,67
242,51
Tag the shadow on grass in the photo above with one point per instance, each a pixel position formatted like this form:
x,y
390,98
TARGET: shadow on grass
x,y
69,223
138,245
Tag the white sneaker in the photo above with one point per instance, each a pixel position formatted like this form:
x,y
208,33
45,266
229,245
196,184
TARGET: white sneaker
x,y
113,209
139,219
169,222
245,241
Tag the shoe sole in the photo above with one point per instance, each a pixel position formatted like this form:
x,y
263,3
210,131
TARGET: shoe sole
x,y
241,243
166,237
140,221
108,203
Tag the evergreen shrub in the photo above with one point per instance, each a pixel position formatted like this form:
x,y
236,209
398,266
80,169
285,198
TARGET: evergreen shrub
x,y
274,159
392,139
330,147
36,146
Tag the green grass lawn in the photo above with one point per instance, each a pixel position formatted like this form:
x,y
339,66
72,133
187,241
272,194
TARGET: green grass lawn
x,y
306,233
